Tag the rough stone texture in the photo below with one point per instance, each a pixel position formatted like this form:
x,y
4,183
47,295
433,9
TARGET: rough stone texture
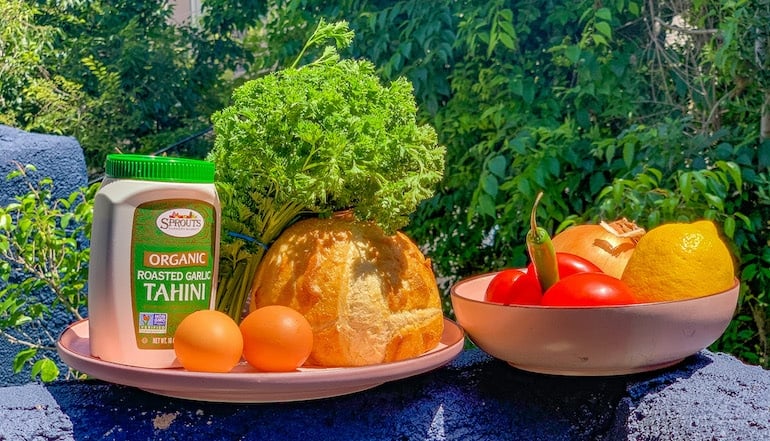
x,y
29,412
57,157
473,398
713,397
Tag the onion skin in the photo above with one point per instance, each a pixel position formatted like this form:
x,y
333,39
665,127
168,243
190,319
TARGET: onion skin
x,y
608,246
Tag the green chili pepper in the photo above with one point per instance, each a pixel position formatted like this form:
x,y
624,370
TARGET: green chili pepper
x,y
541,252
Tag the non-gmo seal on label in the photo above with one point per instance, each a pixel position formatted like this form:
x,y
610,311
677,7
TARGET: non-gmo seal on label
x,y
180,222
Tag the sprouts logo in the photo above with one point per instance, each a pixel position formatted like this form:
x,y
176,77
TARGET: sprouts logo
x,y
180,223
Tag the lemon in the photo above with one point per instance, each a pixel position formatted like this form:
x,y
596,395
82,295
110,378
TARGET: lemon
x,y
679,261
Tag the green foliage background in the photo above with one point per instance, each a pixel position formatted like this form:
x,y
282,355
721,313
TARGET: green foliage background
x,y
656,111
117,75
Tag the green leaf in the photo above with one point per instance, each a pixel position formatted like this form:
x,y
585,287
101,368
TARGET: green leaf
x,y
735,173
22,319
586,13
599,39
604,14
745,219
729,227
552,166
6,304
5,222
497,166
507,41
518,145
685,188
573,52
715,201
596,182
490,185
46,369
524,186
508,29
486,205
22,357
506,16
24,225
656,176
605,29
65,220
493,37
629,153
609,153
13,174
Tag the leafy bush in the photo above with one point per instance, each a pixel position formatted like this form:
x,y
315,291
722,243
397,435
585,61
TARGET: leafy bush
x,y
44,269
118,76
614,109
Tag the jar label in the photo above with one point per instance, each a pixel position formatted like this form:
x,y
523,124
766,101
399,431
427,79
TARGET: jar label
x,y
172,266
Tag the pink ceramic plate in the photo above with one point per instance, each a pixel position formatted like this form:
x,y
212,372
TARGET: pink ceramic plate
x,y
246,385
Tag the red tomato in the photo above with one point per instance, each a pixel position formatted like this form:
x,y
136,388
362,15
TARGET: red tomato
x,y
588,289
512,286
570,264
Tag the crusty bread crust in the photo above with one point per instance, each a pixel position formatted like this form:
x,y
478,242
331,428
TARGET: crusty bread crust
x,y
370,298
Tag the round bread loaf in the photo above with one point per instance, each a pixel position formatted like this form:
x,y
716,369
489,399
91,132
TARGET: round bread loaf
x,y
370,298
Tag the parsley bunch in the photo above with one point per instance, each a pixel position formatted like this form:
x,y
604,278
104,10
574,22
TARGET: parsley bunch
x,y
311,140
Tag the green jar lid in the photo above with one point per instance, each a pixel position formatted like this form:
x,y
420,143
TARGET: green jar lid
x,y
159,168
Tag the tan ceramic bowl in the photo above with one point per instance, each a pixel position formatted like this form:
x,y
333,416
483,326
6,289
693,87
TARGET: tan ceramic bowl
x,y
610,340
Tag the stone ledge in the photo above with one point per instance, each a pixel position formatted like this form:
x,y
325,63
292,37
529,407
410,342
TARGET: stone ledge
x,y
708,396
59,157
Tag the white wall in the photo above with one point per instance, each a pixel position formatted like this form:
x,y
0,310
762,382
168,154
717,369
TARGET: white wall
x,y
184,10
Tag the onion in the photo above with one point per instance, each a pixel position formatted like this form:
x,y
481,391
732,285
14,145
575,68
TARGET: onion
x,y
606,245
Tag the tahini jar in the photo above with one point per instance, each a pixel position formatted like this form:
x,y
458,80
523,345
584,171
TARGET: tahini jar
x,y
154,256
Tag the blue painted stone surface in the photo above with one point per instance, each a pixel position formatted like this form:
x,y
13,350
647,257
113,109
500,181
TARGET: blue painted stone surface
x,y
57,157
707,397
